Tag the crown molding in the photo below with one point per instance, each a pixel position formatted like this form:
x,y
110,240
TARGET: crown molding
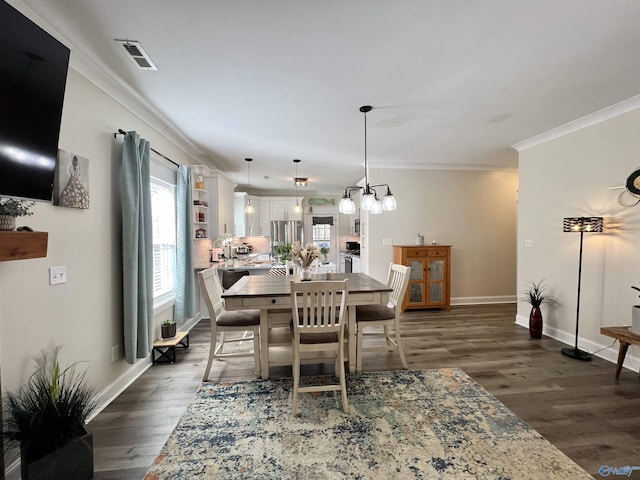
x,y
443,166
602,115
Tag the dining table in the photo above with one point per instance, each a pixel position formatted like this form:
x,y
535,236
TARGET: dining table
x,y
272,296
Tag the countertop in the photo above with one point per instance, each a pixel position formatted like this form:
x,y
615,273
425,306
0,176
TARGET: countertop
x,y
239,264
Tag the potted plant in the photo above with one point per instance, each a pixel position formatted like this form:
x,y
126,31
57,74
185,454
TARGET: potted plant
x,y
324,251
283,253
535,295
12,208
168,329
635,315
46,420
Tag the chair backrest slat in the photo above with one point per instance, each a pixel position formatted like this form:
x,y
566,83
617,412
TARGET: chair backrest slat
x,y
211,291
319,307
398,280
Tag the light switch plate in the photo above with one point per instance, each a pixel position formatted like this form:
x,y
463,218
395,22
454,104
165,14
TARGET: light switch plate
x,y
57,275
387,241
528,243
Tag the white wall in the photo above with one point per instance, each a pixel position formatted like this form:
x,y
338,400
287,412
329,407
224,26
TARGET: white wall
x,y
473,211
570,176
83,315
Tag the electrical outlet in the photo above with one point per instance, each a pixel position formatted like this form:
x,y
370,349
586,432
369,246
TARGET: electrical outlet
x,y
57,275
387,241
528,243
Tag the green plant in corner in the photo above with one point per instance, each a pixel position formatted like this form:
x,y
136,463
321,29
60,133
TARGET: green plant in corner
x,y
50,410
536,294
14,207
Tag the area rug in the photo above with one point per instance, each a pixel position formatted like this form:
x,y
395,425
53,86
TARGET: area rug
x,y
436,424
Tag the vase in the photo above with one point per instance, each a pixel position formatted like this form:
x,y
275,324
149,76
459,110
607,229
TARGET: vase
x,y
7,223
305,273
635,319
535,322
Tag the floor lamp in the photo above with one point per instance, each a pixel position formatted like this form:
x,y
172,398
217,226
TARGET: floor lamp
x,y
581,225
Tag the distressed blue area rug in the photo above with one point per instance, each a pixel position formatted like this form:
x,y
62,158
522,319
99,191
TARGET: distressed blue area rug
x,y
433,424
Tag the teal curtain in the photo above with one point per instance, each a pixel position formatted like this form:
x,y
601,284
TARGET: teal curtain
x,y
137,248
185,306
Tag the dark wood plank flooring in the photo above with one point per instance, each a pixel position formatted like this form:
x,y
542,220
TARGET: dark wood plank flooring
x,y
577,406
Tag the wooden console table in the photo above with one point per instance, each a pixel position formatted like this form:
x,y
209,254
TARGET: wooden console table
x,y
626,338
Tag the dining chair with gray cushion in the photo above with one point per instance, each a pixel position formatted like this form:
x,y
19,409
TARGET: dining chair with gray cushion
x,y
384,315
319,316
230,277
223,321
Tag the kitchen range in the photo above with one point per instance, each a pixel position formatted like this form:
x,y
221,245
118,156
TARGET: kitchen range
x,y
351,256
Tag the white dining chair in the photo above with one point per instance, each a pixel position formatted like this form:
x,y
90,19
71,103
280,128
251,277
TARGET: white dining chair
x,y
223,321
385,316
319,316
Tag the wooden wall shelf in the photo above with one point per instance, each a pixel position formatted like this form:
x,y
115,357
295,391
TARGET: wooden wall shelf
x,y
22,245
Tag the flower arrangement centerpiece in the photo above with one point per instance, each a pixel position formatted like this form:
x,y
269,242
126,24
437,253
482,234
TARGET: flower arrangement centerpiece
x,y
304,257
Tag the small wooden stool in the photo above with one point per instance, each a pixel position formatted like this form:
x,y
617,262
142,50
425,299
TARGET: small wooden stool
x,y
166,347
626,338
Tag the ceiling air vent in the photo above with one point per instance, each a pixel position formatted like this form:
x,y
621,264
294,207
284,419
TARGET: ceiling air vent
x,y
137,54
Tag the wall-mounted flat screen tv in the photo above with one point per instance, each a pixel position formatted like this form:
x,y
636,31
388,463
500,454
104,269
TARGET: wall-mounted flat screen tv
x,y
33,75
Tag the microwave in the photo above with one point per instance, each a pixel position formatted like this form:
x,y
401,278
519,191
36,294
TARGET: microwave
x,y
356,226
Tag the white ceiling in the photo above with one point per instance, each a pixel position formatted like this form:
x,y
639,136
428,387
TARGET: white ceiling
x,y
453,83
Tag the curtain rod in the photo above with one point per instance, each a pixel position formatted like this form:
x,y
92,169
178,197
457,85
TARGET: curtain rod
x,y
122,132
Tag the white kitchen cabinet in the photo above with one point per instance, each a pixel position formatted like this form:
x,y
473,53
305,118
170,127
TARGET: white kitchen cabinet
x,y
246,224
355,264
264,218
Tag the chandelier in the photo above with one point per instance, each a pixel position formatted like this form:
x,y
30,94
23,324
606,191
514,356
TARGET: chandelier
x,y
370,201
249,208
297,208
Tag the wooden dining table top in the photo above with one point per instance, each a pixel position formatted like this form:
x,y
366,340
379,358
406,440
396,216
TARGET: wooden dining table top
x,y
280,285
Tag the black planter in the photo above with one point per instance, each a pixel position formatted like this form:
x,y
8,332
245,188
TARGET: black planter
x,y
73,461
168,331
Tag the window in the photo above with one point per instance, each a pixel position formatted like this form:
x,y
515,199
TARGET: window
x,y
163,218
321,231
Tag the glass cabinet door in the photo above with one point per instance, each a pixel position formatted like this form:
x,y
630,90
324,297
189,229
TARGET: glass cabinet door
x,y
417,269
436,281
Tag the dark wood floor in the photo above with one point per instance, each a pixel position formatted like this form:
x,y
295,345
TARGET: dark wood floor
x,y
577,406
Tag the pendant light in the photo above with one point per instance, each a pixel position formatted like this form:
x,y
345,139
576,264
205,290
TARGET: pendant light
x,y
249,208
369,201
297,208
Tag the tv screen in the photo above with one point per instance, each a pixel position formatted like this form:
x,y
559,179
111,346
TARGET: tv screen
x,y
33,75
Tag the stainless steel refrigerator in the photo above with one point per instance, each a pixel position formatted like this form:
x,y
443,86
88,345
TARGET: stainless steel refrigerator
x,y
286,231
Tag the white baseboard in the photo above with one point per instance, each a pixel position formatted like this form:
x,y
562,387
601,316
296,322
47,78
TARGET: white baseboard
x,y
631,362
111,392
483,300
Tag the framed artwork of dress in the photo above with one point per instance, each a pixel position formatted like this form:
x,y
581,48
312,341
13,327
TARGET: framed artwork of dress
x,y
71,182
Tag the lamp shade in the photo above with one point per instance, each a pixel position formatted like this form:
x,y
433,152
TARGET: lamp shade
x,y
582,224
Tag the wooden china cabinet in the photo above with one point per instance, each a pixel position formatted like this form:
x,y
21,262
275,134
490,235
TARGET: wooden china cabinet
x,y
429,280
